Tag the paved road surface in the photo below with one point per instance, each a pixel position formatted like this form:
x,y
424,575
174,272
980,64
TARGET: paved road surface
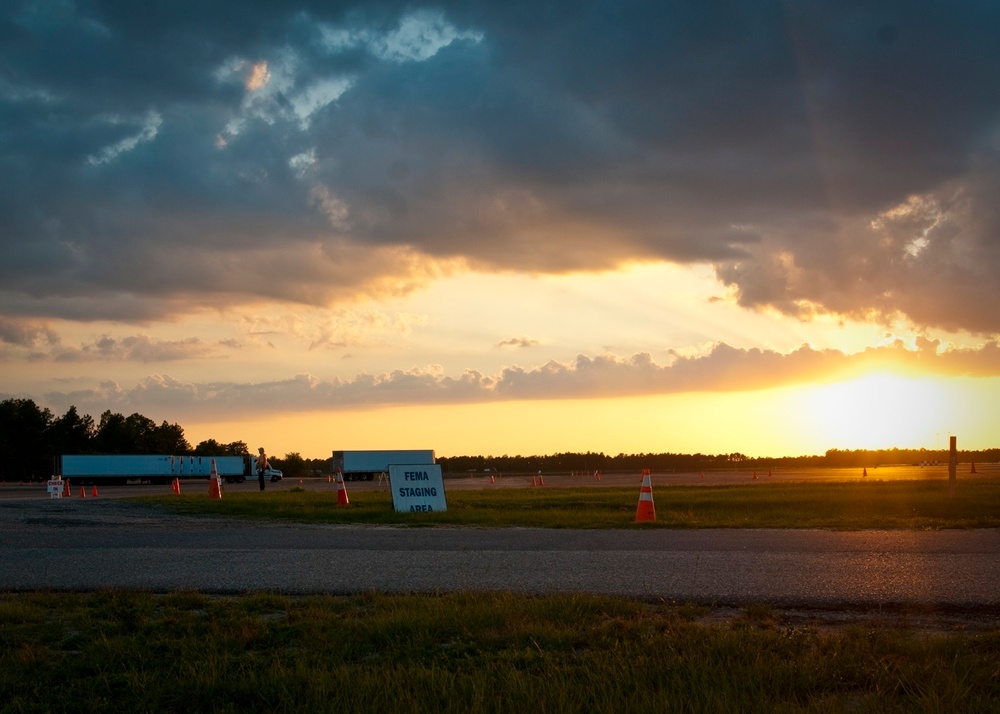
x,y
77,544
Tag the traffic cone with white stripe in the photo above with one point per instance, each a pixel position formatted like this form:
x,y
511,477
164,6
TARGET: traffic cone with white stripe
x,y
342,499
645,511
214,487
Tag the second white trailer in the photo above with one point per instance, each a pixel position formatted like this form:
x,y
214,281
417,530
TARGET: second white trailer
x,y
366,465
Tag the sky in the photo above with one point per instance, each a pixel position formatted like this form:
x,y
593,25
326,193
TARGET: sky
x,y
491,228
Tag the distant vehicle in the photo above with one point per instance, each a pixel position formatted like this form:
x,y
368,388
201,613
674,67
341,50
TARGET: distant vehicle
x,y
120,469
365,465
251,472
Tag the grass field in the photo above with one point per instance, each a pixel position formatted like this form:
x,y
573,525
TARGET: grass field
x,y
188,652
853,505
500,652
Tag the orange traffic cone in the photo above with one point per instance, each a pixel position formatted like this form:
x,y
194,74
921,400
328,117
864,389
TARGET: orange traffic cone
x,y
702,475
645,511
533,481
83,491
66,490
541,480
864,472
769,473
597,475
342,499
214,487
492,479
754,475
93,491
973,469
175,485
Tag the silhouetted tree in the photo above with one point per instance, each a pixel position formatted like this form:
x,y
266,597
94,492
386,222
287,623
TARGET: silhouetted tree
x,y
112,435
237,448
24,453
208,447
138,434
293,465
141,433
168,439
71,433
211,447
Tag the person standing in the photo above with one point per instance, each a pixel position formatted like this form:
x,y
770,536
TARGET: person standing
x,y
261,467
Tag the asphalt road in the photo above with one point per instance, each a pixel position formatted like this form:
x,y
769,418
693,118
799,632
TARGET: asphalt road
x,y
84,544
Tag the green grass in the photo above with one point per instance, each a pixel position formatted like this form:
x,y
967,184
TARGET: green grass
x,y
849,506
188,652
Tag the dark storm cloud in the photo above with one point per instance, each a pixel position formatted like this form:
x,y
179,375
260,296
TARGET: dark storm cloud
x,y
24,333
826,157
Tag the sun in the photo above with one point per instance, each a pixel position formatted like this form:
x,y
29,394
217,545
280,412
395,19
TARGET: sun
x,y
880,411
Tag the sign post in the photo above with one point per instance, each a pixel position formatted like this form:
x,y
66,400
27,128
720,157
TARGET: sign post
x,y
952,466
417,488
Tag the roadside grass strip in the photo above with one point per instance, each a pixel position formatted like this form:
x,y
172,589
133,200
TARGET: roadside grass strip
x,y
845,506
189,652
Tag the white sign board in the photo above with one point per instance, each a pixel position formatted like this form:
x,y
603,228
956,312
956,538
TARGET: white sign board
x,y
55,487
417,488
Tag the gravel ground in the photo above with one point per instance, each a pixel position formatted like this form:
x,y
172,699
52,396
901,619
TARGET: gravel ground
x,y
935,581
932,582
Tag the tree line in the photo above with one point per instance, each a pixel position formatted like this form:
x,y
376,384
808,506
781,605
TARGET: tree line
x,y
32,436
666,462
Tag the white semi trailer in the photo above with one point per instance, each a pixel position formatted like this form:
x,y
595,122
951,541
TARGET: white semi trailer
x,y
365,465
119,468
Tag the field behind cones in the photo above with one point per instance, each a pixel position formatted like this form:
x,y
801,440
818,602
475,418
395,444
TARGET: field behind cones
x,y
857,504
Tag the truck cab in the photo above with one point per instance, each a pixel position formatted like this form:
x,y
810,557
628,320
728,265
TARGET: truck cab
x,y
249,472
273,475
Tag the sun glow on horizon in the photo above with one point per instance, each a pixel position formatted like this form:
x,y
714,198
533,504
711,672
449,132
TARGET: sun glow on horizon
x,y
878,411
883,410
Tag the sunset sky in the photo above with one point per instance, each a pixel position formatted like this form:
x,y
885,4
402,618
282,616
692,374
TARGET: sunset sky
x,y
506,227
